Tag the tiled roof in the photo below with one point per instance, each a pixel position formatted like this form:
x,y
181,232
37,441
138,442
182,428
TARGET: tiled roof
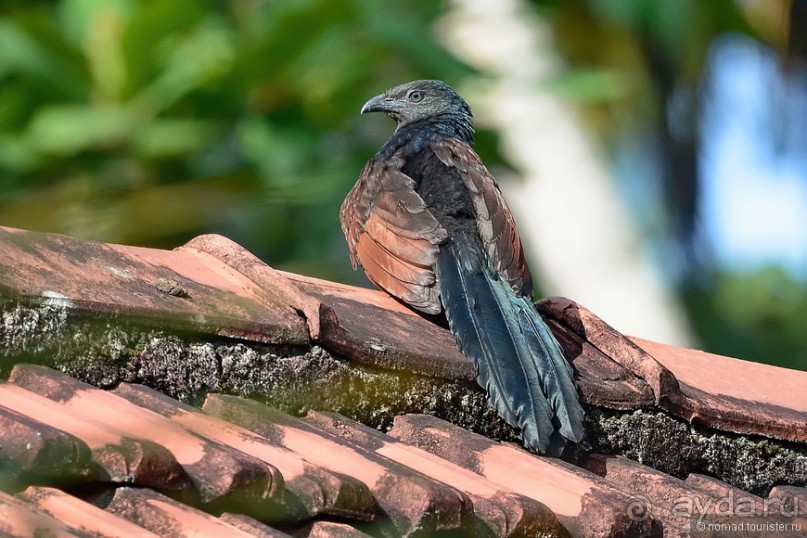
x,y
369,427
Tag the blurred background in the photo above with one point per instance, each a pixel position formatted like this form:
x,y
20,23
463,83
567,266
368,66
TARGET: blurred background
x,y
654,152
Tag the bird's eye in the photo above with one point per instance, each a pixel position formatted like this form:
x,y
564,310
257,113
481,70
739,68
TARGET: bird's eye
x,y
415,96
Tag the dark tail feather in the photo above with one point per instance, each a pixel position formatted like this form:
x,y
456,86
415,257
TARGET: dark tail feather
x,y
517,358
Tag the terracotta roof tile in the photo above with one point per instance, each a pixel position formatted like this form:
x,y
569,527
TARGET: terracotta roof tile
x,y
21,520
310,487
121,457
583,502
219,474
791,500
272,474
273,286
180,289
330,529
589,329
80,515
168,518
735,395
657,494
714,488
505,513
676,502
362,324
411,500
728,394
252,526
33,450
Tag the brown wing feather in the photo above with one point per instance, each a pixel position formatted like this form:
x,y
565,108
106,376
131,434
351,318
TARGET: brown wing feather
x,y
392,235
494,220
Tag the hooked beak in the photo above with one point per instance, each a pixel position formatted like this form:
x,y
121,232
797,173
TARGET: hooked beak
x,y
381,103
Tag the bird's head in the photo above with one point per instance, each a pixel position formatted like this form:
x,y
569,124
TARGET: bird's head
x,y
422,100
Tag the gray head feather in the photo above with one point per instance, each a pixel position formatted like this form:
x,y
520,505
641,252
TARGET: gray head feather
x,y
422,100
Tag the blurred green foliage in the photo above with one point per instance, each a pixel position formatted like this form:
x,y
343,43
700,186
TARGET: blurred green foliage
x,y
149,122
759,315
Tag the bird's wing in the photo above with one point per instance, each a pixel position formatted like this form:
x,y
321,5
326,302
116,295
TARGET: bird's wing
x,y
493,218
392,235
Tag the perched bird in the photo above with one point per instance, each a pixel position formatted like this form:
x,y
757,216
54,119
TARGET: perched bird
x,y
429,225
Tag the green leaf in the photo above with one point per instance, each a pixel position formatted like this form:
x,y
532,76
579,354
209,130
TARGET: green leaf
x,y
65,130
588,85
176,137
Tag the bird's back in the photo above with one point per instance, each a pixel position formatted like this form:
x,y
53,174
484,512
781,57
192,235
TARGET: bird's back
x,y
442,189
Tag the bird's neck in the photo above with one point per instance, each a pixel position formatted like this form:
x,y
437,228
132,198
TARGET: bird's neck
x,y
416,135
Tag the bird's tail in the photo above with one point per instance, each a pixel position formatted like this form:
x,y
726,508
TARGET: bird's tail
x,y
518,360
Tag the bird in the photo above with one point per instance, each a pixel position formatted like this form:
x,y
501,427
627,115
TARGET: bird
x,y
429,225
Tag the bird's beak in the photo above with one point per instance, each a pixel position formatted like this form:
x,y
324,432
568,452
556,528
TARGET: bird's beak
x,y
380,103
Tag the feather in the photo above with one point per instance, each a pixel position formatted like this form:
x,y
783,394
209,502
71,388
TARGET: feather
x,y
391,233
518,360
496,226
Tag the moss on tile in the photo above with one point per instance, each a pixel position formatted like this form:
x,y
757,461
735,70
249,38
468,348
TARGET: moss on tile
x,y
106,350
676,447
